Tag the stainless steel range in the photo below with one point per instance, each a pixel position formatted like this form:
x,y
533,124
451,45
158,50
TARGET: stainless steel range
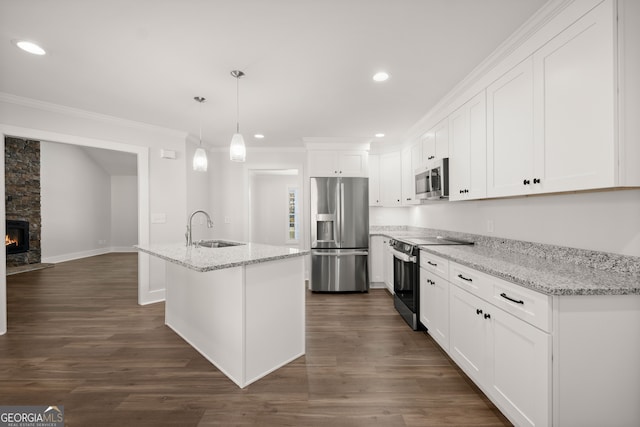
x,y
406,273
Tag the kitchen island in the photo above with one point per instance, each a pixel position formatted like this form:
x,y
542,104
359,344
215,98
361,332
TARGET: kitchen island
x,y
242,307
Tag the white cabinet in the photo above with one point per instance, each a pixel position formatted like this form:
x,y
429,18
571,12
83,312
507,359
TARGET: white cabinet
x,y
507,357
575,105
388,268
374,180
551,119
468,334
391,179
434,306
377,251
338,163
411,160
467,150
435,143
510,132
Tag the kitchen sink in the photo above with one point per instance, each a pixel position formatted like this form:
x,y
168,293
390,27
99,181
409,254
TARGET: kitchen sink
x,y
217,243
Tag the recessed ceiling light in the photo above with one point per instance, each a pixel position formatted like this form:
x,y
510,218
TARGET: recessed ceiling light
x,y
258,136
30,47
380,76
379,135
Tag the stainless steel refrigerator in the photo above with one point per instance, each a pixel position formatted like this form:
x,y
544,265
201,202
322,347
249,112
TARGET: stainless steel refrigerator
x,y
339,234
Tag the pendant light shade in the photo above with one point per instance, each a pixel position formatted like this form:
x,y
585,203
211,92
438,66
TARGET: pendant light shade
x,y
237,150
200,161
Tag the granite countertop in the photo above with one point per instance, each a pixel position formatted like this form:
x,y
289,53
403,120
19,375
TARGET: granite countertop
x,y
542,275
208,259
548,269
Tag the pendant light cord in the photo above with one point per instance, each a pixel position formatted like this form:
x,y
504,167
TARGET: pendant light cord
x,y
238,104
201,124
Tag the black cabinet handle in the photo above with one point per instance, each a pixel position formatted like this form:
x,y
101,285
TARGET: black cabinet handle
x,y
517,301
431,157
431,263
536,180
487,316
526,182
478,311
465,278
461,191
408,199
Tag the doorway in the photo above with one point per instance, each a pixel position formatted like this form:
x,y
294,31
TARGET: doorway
x,y
145,294
275,207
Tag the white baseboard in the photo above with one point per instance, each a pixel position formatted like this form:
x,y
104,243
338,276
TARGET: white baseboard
x,y
86,254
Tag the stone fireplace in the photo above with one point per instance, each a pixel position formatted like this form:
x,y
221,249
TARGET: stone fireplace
x,y
22,201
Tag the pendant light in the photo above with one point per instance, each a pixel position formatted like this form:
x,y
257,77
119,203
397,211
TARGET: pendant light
x,y
200,157
237,150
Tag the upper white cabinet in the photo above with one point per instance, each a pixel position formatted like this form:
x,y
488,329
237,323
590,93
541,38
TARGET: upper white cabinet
x,y
510,132
467,150
374,180
551,119
435,143
411,160
391,179
574,101
338,163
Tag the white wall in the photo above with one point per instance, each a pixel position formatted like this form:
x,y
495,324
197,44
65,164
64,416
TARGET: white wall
x,y
124,212
198,195
76,203
162,182
389,216
229,184
606,221
270,206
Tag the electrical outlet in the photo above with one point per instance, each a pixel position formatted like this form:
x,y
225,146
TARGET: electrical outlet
x,y
227,220
490,225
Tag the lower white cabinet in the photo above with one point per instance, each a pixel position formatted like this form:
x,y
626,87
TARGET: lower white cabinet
x,y
377,251
434,307
509,359
388,267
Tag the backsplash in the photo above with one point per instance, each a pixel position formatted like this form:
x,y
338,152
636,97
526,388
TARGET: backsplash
x,y
594,259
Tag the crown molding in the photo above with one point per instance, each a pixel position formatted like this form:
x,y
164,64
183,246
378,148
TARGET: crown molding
x,y
524,33
88,115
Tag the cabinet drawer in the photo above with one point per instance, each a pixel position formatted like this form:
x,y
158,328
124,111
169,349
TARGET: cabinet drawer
x,y
471,280
435,264
531,306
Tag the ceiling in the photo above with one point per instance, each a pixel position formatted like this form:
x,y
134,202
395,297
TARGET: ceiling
x,y
308,63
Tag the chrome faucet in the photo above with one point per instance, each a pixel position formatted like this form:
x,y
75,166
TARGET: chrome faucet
x,y
188,233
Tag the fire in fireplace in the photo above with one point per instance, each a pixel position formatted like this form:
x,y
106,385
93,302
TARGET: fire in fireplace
x,y
16,239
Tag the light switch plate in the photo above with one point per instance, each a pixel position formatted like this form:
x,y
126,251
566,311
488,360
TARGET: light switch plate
x,y
158,218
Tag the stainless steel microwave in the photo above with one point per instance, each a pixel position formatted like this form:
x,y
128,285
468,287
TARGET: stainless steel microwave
x,y
432,180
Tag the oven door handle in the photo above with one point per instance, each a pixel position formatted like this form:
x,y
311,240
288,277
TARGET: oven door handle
x,y
402,256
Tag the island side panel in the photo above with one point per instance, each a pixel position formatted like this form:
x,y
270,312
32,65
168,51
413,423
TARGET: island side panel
x,y
206,309
275,315
596,371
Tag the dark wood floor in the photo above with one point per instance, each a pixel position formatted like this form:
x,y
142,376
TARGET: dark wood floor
x,y
78,338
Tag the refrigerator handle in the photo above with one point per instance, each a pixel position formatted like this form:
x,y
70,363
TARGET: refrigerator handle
x,y
341,212
339,253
